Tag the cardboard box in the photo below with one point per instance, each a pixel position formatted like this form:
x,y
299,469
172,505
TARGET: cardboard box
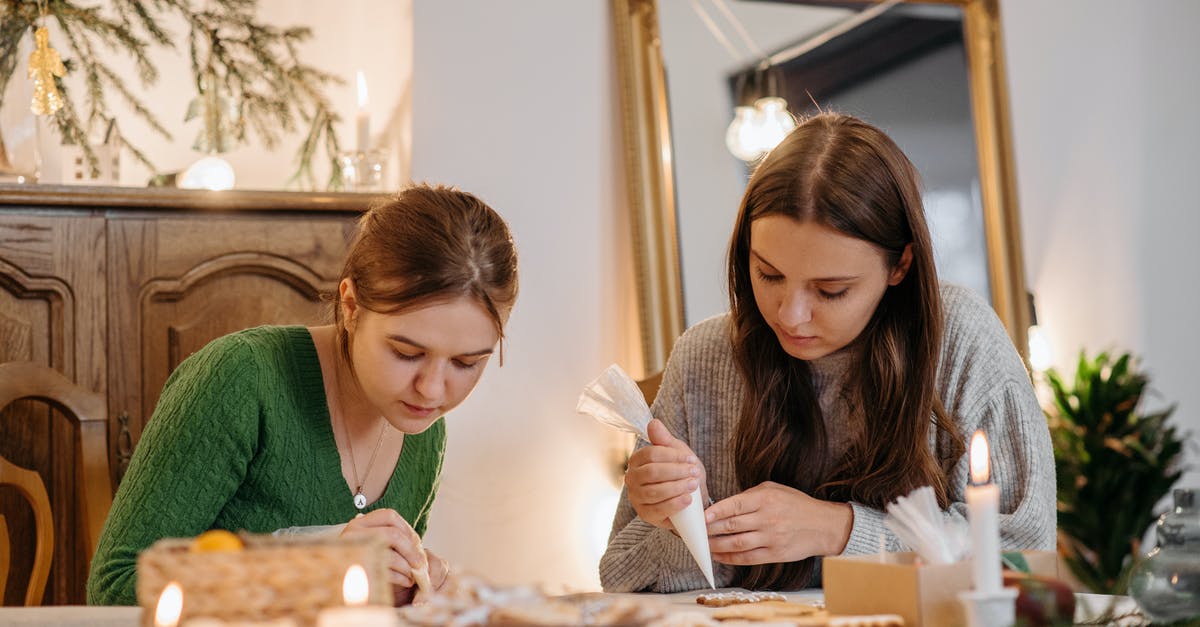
x,y
925,595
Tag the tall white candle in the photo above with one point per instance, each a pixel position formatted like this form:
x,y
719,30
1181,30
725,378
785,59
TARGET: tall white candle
x,y
362,118
983,507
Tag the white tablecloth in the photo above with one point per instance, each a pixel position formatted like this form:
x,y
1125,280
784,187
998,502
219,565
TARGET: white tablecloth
x,y
70,616
1088,607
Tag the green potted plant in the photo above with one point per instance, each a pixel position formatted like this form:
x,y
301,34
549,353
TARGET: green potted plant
x,y
1106,448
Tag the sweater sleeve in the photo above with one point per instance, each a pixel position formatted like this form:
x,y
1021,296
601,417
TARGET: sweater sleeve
x,y
192,457
641,557
984,385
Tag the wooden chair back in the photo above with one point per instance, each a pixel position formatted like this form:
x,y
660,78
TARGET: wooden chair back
x,y
29,484
88,415
5,547
649,387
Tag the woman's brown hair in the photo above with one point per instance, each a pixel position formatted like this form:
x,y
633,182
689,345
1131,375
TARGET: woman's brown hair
x,y
840,172
429,244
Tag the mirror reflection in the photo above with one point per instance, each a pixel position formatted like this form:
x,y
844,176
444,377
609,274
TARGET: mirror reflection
x,y
901,67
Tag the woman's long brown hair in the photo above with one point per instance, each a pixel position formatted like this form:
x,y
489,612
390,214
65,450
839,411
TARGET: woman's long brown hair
x,y
843,173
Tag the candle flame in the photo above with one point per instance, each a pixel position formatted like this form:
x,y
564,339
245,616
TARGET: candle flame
x,y
354,586
980,467
170,606
362,89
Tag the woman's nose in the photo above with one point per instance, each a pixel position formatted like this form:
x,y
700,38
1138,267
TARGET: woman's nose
x,y
431,383
795,309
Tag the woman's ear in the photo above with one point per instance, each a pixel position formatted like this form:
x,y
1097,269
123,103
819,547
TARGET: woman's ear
x,y
348,302
898,273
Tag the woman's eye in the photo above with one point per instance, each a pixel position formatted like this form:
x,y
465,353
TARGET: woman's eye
x,y
463,365
768,278
828,295
405,356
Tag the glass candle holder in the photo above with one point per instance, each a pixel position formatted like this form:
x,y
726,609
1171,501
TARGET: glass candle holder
x,y
363,171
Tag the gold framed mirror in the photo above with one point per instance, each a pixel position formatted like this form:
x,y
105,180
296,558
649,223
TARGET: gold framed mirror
x,y
650,167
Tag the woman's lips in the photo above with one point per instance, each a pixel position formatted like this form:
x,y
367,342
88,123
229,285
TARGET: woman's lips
x,y
799,340
417,410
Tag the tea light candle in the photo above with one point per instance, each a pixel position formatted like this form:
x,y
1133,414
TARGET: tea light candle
x,y
983,507
362,119
356,612
170,606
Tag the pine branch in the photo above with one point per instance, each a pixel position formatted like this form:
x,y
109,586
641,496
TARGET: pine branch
x,y
71,130
256,66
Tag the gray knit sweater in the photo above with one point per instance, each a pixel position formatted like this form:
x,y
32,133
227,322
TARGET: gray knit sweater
x,y
982,383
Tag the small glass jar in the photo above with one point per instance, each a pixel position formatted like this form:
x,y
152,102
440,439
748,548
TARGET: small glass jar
x,y
1166,583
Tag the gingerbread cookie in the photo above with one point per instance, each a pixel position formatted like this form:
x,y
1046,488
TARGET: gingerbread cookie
x,y
872,620
768,611
736,597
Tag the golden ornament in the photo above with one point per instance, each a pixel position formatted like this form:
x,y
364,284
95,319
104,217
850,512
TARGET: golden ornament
x,y
44,65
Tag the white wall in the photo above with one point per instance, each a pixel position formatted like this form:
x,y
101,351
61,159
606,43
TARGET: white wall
x,y
1107,141
516,102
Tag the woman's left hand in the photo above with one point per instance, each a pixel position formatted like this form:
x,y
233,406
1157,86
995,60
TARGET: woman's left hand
x,y
773,523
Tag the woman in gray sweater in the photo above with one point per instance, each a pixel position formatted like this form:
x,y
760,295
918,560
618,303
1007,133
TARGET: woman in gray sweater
x,y
843,377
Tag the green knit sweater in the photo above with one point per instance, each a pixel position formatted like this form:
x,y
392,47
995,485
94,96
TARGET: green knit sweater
x,y
242,440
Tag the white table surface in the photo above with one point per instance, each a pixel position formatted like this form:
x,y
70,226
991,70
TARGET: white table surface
x,y
1088,607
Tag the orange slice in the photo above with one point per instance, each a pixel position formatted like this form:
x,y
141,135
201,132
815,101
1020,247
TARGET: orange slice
x,y
216,540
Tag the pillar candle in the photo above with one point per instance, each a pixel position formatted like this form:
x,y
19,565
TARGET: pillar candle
x,y
983,507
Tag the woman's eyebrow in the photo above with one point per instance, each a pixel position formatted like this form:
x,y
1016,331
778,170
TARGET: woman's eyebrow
x,y
827,279
415,344
762,259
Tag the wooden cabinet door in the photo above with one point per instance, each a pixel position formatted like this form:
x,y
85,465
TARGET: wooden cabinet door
x,y
52,312
176,283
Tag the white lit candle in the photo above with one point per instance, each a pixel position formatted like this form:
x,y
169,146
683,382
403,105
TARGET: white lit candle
x,y
362,119
170,606
983,507
356,612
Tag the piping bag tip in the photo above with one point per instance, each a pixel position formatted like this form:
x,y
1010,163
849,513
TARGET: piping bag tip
x,y
689,522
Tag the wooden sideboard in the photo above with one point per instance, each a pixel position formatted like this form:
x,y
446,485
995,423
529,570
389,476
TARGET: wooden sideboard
x,y
114,287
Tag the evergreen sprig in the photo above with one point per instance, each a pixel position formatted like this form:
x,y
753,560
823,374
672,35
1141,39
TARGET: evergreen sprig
x,y
234,58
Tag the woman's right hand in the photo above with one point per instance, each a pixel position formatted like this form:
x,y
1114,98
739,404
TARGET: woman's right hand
x,y
407,554
661,477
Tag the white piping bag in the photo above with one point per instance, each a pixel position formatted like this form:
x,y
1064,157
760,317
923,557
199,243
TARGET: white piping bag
x,y
615,400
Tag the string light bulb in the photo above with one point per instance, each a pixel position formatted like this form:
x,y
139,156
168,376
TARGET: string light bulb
x,y
758,129
742,135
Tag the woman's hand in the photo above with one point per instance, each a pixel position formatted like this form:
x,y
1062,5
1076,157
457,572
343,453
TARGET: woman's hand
x,y
407,555
661,477
773,523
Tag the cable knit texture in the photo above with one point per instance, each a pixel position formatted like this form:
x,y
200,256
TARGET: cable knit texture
x,y
981,381
242,440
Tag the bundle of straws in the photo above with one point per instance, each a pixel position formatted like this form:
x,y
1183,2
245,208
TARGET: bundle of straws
x,y
921,525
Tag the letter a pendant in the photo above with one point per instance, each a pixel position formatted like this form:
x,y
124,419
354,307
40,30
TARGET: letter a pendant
x,y
360,500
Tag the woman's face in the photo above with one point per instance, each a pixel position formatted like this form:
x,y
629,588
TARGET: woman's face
x,y
816,287
415,366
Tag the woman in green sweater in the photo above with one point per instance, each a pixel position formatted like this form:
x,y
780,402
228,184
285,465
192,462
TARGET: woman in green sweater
x,y
290,426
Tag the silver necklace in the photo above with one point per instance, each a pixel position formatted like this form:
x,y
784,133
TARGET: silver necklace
x,y
360,499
